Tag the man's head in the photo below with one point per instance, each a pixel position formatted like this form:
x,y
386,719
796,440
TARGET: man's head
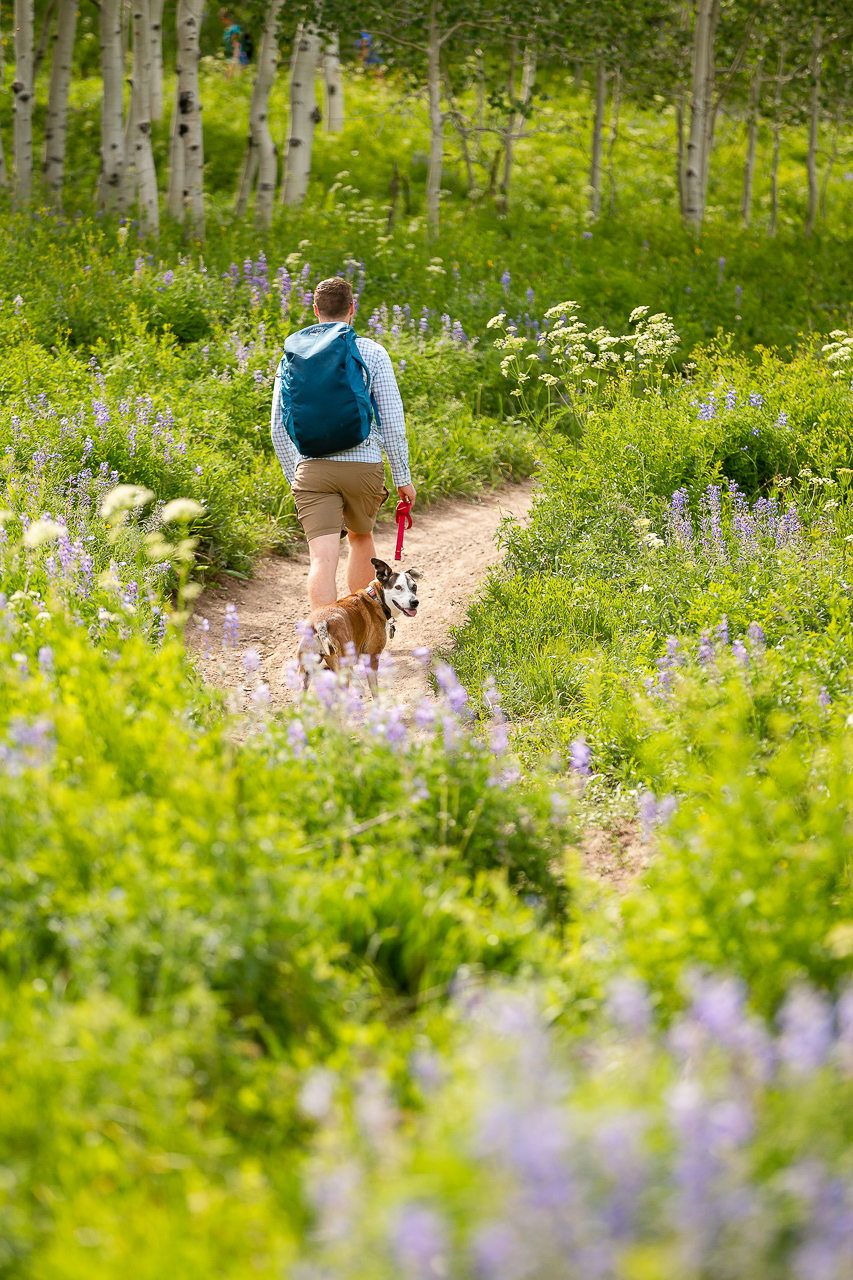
x,y
333,300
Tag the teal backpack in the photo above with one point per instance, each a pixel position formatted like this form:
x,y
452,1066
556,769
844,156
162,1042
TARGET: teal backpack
x,y
327,405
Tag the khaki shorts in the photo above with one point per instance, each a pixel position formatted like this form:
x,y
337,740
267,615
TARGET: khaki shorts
x,y
331,496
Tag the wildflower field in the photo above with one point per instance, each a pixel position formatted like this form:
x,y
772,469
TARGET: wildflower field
x,y
322,991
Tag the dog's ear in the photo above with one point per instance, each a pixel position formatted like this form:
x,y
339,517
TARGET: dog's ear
x,y
383,570
415,574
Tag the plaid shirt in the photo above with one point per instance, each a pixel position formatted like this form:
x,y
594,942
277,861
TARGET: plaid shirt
x,y
389,434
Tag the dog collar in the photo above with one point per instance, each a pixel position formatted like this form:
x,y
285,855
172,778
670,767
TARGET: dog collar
x,y
380,600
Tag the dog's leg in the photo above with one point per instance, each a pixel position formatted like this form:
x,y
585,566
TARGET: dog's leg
x,y
371,667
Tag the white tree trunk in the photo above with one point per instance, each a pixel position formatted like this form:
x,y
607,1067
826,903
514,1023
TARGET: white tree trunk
x,y
515,124
45,37
304,117
814,124
751,144
156,38
53,166
175,195
701,110
679,152
187,130
261,156
334,86
112,191
138,134
615,105
597,132
436,124
23,93
777,143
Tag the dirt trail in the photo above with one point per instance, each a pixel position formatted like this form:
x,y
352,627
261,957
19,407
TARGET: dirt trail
x,y
452,543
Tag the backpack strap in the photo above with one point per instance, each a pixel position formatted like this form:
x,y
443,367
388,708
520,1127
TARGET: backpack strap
x,y
368,377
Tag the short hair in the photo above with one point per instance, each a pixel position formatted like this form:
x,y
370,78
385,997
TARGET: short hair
x,y
333,298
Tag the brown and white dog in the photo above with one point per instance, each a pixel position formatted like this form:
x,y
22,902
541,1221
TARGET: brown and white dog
x,y
361,623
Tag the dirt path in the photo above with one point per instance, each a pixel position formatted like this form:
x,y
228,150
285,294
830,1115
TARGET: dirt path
x,y
452,543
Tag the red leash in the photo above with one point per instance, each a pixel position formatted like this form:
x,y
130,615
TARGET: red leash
x,y
404,522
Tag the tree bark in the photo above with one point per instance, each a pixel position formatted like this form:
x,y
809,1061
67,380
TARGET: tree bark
x,y
261,157
53,165
597,132
516,119
335,115
436,124
304,117
751,143
777,143
44,37
187,134
679,153
143,175
23,93
155,28
175,195
814,125
833,155
615,104
701,110
111,180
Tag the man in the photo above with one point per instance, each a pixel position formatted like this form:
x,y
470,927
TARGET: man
x,y
345,490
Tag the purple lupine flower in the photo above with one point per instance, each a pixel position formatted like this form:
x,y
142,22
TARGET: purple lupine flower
x,y
782,420
530,295
740,653
708,408
587,235
723,630
251,661
731,398
506,281
628,1004
45,660
824,698
499,1253
705,651
807,1028
296,737
580,757
678,518
425,715
721,266
230,627
756,636
738,294
756,399
453,691
419,1243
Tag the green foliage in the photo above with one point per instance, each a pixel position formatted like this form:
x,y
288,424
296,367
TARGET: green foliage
x,y
213,914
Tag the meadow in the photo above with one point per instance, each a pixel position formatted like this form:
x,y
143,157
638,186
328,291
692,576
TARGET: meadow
x,y
317,992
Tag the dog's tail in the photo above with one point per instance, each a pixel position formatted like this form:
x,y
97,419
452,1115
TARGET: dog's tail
x,y
325,644
317,646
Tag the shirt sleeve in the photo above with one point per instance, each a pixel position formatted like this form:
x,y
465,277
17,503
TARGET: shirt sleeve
x,y
391,431
285,449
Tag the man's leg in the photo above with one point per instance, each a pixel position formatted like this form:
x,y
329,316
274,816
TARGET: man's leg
x,y
322,588
360,572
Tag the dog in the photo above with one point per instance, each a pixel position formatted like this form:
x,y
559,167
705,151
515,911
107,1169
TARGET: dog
x,y
361,623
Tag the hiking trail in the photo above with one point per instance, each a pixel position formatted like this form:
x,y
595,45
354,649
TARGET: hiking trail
x,y
452,542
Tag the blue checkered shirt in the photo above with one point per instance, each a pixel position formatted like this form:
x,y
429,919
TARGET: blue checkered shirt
x,y
389,434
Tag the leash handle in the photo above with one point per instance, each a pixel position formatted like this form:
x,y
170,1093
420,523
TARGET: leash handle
x,y
404,522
